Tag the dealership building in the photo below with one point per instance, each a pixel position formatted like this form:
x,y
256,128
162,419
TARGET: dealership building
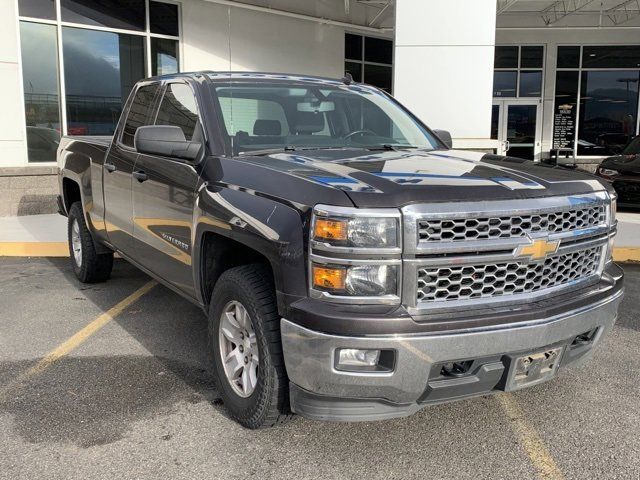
x,y
534,78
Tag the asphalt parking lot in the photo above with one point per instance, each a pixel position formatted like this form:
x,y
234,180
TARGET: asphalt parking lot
x,y
135,399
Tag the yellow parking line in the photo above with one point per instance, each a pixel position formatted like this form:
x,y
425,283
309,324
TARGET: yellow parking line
x,y
533,445
78,338
34,249
626,254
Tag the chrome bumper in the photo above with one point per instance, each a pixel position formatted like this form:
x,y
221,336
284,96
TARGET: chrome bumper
x,y
321,392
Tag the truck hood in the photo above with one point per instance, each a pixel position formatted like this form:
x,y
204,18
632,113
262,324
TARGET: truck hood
x,y
397,178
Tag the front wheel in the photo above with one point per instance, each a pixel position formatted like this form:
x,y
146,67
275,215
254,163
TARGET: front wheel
x,y
244,340
88,265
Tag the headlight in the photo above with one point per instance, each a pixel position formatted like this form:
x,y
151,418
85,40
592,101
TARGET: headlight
x,y
350,228
356,280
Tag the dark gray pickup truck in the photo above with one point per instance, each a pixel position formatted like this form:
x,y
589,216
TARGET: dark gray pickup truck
x,y
351,264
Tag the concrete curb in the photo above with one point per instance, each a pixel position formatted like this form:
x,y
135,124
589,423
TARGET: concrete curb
x,y
61,249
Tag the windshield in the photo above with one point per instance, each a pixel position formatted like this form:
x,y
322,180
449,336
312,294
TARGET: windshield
x,y
633,148
264,116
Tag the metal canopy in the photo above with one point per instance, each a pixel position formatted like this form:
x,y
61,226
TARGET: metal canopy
x,y
610,13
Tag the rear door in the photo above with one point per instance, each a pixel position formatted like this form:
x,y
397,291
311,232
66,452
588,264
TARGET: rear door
x,y
164,195
118,169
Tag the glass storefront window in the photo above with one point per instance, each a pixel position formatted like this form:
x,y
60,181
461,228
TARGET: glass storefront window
x,y
504,83
40,83
164,56
506,57
100,70
568,57
608,111
530,83
531,56
518,71
125,14
163,18
611,56
369,60
101,66
45,9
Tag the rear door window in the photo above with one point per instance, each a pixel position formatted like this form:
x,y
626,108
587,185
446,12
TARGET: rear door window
x,y
139,113
179,108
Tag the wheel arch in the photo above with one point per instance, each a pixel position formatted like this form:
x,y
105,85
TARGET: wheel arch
x,y
234,228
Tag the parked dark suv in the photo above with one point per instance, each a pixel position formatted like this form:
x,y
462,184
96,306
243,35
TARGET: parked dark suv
x,y
624,172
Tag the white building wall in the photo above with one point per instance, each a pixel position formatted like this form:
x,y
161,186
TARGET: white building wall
x,y
218,37
13,149
551,38
443,67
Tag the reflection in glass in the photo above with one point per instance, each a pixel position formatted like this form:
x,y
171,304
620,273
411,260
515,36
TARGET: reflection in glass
x,y
608,109
125,14
163,18
100,70
41,98
504,83
164,56
37,9
531,83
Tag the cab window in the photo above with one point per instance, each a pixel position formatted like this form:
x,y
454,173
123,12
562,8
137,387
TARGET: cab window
x,y
179,108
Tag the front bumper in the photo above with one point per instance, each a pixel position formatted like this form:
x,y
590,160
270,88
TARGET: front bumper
x,y
319,391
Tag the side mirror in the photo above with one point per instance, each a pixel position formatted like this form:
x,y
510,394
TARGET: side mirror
x,y
165,140
445,137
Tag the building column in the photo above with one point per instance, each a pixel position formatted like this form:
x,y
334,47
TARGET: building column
x,y
12,127
443,66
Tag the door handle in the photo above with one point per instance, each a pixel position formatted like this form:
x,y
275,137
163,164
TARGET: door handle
x,y
140,176
109,167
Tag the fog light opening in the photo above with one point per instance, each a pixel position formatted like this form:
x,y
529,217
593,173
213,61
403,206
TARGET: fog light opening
x,y
364,360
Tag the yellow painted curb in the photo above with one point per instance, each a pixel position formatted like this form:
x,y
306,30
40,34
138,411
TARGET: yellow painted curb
x,y
34,249
626,254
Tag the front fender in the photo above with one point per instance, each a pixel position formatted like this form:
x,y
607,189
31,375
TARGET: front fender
x,y
271,228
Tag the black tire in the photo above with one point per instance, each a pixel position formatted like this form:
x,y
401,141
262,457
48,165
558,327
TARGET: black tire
x,y
268,404
93,267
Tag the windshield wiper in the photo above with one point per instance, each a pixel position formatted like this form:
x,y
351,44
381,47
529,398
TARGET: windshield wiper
x,y
389,147
268,151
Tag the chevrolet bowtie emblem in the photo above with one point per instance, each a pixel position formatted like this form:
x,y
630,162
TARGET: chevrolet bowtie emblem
x,y
538,249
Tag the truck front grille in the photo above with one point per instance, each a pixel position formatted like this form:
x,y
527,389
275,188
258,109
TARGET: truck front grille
x,y
483,280
495,227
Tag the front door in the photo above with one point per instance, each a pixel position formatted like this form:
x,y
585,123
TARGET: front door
x,y
118,168
164,196
516,124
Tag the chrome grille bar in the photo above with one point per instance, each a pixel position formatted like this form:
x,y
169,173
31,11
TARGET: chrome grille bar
x,y
466,282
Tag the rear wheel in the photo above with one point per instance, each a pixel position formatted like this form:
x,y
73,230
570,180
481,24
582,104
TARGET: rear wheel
x,y
244,340
88,265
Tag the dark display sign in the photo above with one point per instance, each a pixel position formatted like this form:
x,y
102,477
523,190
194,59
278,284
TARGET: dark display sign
x,y
564,115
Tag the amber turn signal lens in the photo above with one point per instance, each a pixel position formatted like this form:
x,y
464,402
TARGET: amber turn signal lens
x,y
330,229
328,278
